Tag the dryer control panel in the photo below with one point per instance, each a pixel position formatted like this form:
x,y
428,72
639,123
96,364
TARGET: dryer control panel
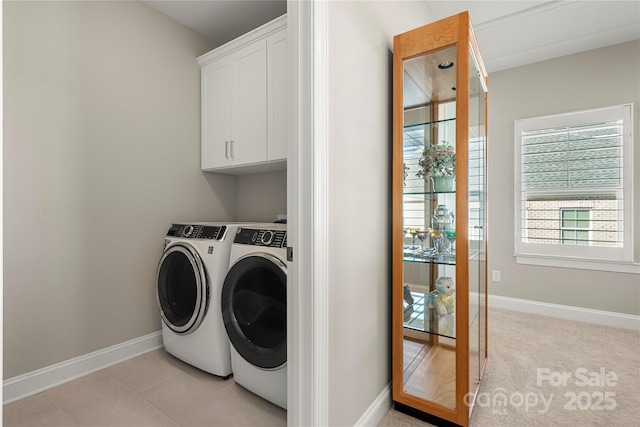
x,y
260,237
197,231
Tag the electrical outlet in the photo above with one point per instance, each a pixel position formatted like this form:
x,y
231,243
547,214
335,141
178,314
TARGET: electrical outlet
x,y
495,275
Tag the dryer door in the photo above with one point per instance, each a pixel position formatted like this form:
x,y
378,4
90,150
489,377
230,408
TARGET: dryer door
x,y
254,309
182,289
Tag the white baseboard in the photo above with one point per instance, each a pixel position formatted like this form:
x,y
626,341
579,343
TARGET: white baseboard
x,y
42,379
377,410
605,318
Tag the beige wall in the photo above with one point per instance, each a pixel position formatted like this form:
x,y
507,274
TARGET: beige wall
x,y
261,197
596,78
101,154
360,50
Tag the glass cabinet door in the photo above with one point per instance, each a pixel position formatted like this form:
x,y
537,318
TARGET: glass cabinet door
x,y
439,220
429,227
477,145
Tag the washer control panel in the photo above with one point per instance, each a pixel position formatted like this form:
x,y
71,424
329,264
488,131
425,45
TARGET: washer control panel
x,y
260,237
197,231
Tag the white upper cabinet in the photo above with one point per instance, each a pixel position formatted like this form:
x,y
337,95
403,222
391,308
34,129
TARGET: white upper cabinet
x,y
245,102
278,95
248,104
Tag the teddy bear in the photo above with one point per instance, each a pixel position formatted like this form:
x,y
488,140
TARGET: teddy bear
x,y
442,302
441,299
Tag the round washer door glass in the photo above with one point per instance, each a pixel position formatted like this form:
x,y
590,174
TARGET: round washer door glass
x,y
182,290
254,309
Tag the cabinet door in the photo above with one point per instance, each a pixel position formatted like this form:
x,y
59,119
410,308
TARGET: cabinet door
x,y
217,95
278,95
249,118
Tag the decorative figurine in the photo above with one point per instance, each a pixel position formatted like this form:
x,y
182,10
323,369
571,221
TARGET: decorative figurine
x,y
441,300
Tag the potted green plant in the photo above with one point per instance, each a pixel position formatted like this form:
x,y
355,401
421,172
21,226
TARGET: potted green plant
x,y
438,163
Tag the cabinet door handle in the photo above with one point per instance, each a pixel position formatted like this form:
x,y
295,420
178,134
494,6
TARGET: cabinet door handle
x,y
226,149
231,151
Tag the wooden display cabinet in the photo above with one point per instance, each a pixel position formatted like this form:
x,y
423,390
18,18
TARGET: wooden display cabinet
x,y
439,336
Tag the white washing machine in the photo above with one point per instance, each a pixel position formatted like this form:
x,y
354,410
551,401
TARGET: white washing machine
x,y
189,282
254,310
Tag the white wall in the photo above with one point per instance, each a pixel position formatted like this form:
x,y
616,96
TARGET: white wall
x,y
596,78
101,154
359,166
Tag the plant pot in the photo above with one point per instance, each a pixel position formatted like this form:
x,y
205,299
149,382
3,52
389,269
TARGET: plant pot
x,y
443,184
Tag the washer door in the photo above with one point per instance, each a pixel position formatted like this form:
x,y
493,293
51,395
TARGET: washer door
x,y
182,288
254,309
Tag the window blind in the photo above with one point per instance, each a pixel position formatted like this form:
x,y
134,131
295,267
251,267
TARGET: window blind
x,y
573,157
569,169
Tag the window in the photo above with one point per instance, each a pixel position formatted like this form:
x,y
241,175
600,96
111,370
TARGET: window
x,y
574,227
573,189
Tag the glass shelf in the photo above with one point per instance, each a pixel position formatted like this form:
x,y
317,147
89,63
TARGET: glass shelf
x,y
441,259
427,193
417,135
426,259
433,122
408,327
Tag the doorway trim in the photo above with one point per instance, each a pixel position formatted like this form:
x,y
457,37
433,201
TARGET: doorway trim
x,y
308,214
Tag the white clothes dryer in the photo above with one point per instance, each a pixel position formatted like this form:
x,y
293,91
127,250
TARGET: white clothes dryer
x,y
254,310
189,282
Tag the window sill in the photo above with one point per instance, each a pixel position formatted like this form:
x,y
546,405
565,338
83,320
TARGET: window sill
x,y
584,264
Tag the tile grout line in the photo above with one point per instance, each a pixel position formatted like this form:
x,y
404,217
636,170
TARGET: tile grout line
x,y
46,393
251,408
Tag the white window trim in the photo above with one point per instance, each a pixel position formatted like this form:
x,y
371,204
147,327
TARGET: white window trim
x,y
578,263
604,259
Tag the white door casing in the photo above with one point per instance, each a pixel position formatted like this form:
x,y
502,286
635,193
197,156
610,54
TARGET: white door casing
x,y
307,212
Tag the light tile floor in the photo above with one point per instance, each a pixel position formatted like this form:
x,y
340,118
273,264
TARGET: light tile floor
x,y
154,389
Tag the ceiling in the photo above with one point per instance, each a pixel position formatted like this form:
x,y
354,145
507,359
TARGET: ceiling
x,y
510,33
515,33
221,20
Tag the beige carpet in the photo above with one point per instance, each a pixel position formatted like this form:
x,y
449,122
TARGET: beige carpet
x,y
554,372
